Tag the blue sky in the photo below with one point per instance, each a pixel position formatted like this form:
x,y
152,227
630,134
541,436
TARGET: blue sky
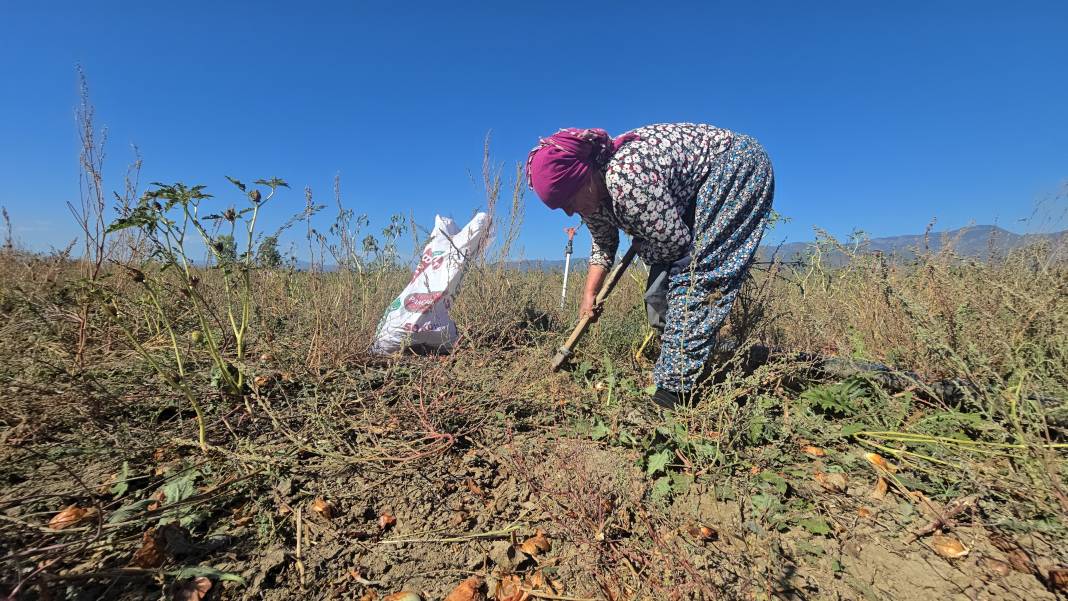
x,y
878,116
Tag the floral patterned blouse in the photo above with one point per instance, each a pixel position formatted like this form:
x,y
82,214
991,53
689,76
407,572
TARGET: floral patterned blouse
x,y
653,183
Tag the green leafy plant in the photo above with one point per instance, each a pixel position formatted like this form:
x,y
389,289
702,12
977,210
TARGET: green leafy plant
x,y
169,218
840,399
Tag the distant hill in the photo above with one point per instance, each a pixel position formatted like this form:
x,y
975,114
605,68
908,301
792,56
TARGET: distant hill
x,y
976,241
547,264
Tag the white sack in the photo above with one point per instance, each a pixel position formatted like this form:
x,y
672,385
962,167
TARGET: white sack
x,y
419,317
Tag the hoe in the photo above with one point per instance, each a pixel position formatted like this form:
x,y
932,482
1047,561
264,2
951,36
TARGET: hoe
x,y
564,352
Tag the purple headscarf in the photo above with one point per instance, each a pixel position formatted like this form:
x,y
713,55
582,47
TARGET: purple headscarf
x,y
559,164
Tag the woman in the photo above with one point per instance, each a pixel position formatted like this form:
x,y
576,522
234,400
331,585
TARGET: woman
x,y
695,199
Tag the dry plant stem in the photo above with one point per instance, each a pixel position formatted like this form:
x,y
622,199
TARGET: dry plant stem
x,y
177,384
201,306
286,432
502,533
902,455
544,595
946,518
515,219
239,331
90,213
170,333
300,538
971,444
491,181
14,594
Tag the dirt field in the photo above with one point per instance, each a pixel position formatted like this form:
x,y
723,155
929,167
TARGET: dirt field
x,y
469,477
184,432
416,474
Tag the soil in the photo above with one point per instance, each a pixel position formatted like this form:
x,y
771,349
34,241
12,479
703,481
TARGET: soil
x,y
425,515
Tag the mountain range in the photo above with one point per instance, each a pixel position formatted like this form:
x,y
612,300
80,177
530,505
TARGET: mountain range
x,y
978,241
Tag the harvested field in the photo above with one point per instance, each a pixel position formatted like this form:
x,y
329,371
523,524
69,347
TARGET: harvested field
x,y
329,473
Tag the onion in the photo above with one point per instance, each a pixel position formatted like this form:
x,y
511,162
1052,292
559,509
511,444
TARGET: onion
x,y
948,547
833,482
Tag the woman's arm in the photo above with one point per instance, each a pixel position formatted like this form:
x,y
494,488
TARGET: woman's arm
x,y
605,238
602,255
594,280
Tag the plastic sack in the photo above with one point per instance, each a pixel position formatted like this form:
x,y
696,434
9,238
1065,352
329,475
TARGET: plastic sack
x,y
419,319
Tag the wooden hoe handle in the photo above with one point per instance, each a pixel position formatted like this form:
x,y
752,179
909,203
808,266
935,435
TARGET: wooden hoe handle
x,y
564,352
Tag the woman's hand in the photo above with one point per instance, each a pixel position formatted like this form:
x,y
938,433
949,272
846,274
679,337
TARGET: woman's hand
x,y
589,307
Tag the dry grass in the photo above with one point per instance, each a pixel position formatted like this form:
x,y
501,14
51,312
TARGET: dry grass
x,y
317,398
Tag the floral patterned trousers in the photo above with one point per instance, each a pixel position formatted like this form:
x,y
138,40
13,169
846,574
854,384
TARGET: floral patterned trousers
x,y
690,299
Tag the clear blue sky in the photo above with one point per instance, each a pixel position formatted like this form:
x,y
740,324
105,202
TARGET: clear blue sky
x,y
879,116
